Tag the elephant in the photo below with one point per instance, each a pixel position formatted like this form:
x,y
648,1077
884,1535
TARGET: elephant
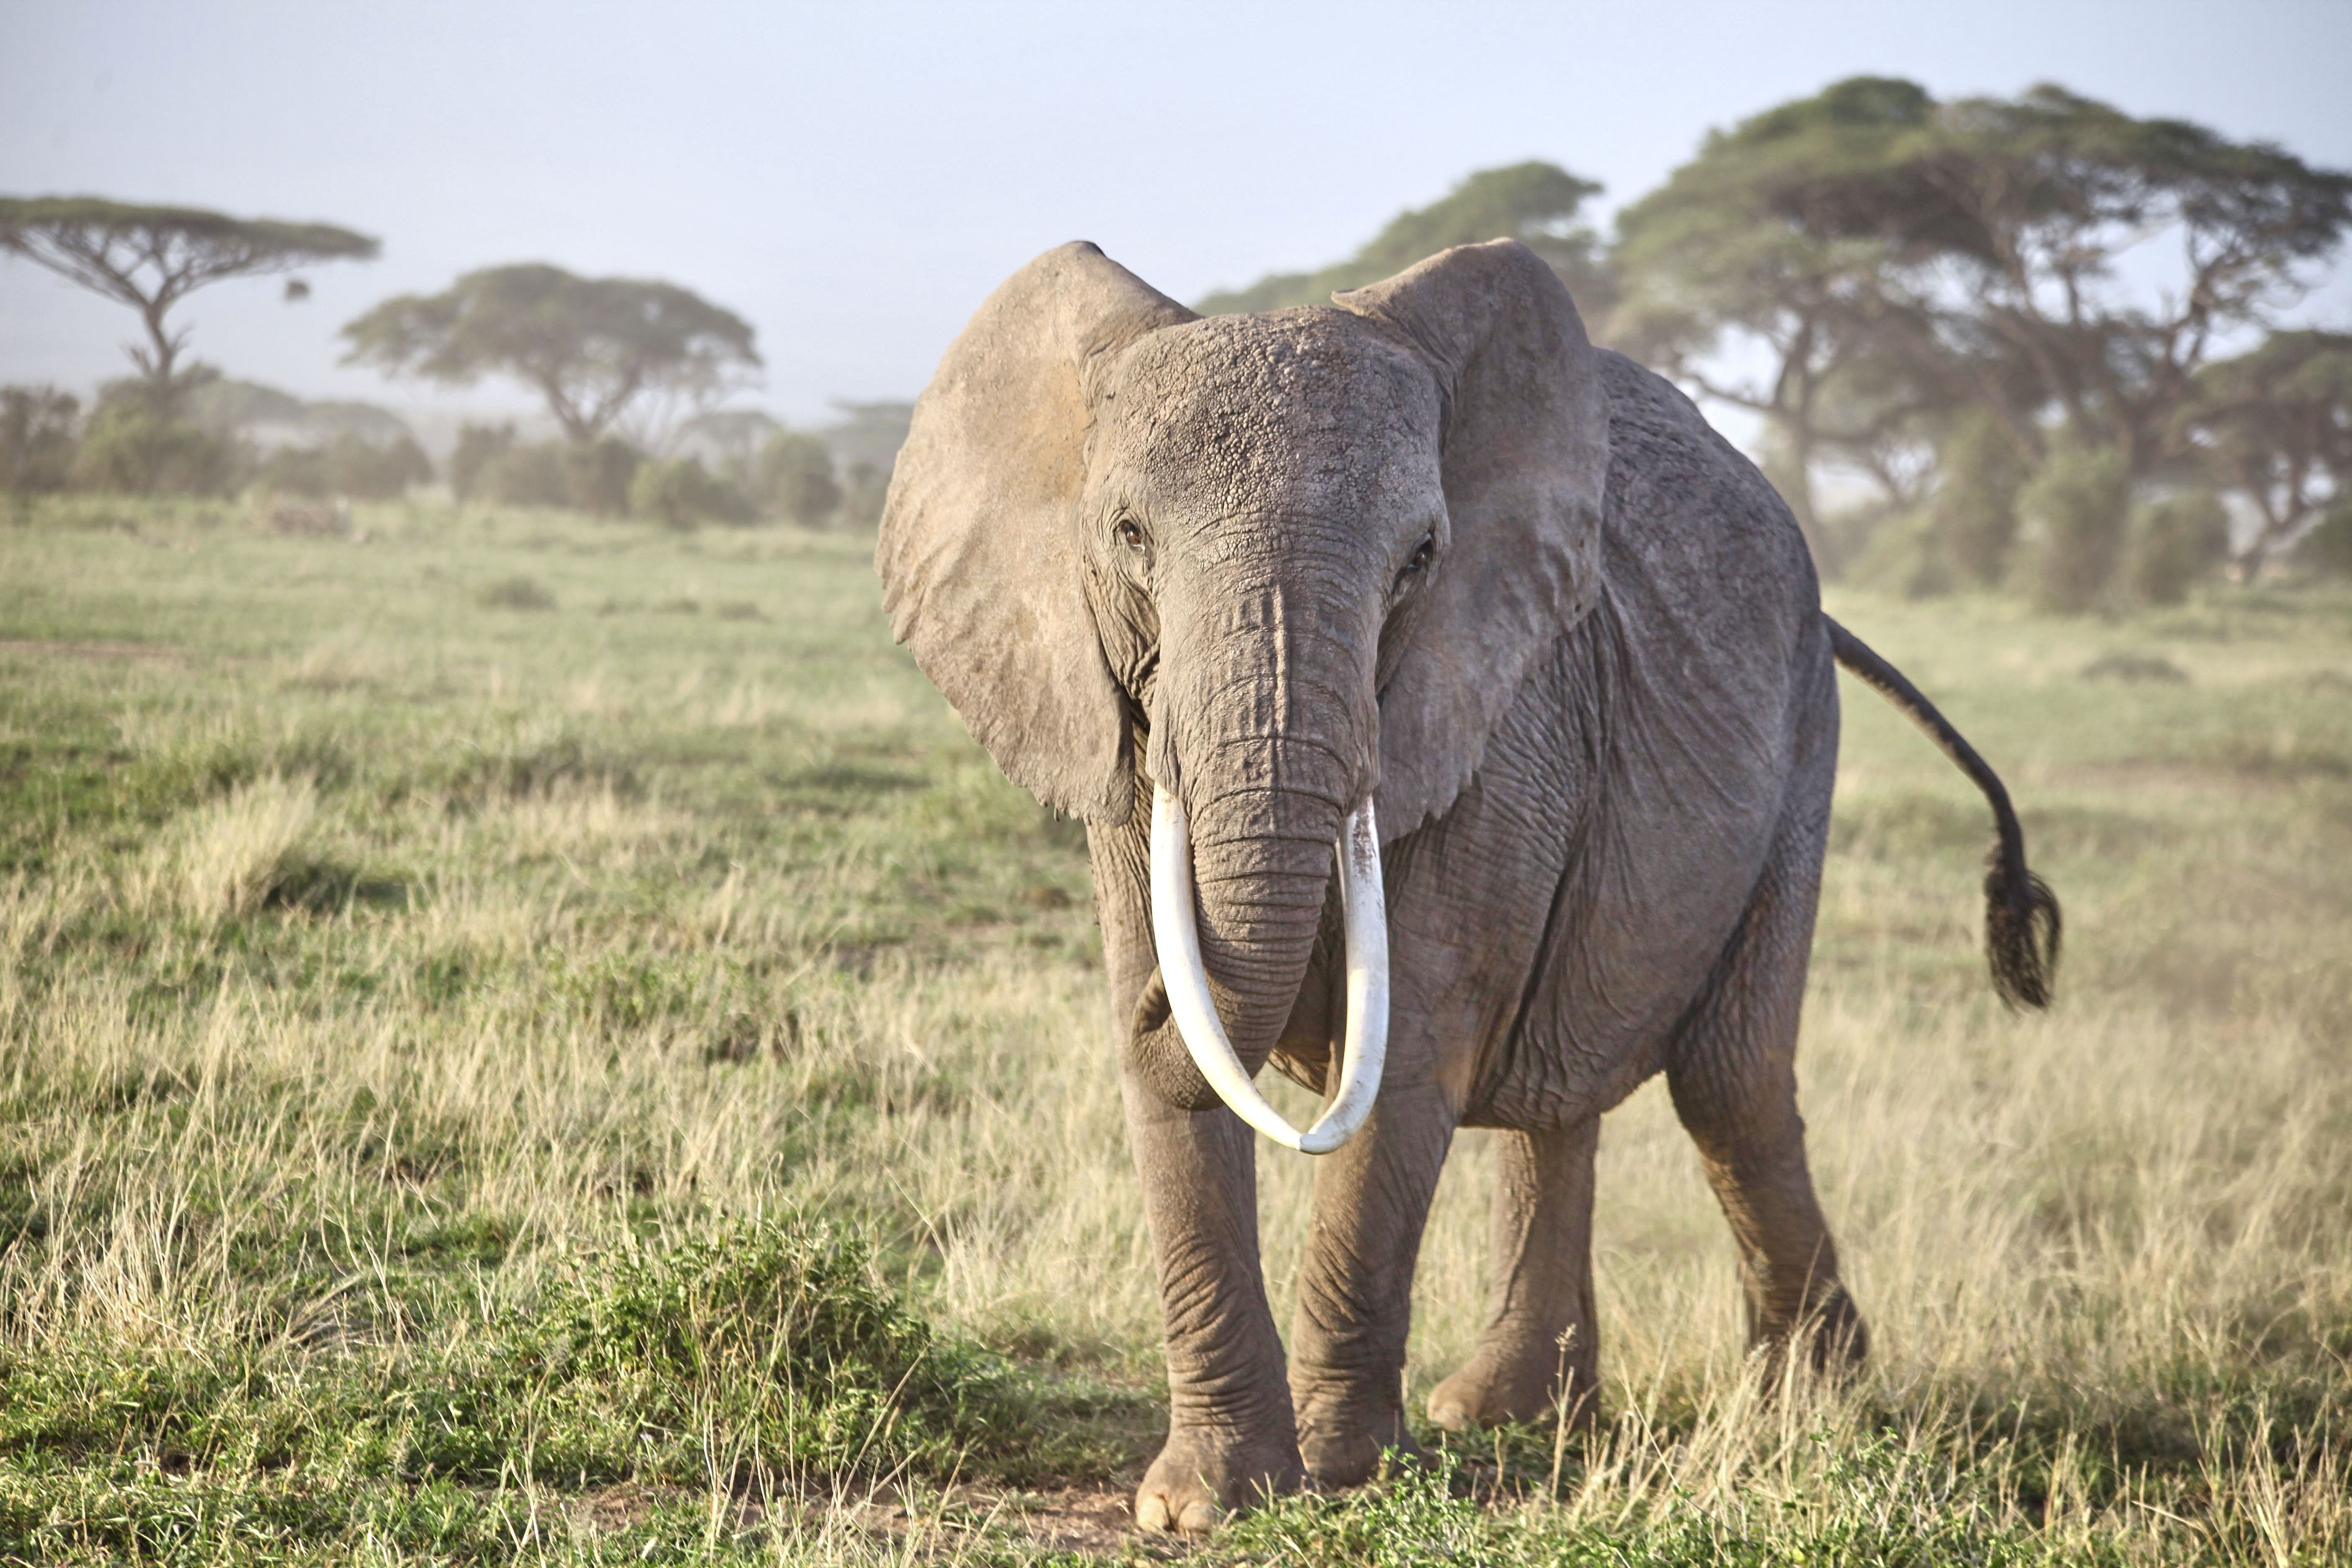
x,y
1444,698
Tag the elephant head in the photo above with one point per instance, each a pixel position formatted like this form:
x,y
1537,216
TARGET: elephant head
x,y
1305,558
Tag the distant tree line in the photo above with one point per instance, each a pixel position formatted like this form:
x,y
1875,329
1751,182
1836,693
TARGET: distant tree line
x,y
615,360
2031,343
199,445
224,437
714,475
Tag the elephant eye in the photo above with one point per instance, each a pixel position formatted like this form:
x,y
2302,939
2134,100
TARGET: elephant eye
x,y
1419,559
1130,535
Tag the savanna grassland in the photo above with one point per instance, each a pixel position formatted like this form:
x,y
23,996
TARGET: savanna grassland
x,y
531,1038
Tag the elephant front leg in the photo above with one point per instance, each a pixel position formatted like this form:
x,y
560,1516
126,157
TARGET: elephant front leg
x,y
1232,1436
1540,1355
1355,1294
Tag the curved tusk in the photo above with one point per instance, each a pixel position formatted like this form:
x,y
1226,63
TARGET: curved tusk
x,y
1364,906
1176,934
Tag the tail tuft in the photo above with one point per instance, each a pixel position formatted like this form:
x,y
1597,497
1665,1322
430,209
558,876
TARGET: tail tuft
x,y
2021,930
2020,911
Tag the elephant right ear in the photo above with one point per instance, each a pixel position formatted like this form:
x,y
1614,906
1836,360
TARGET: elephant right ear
x,y
1524,457
978,550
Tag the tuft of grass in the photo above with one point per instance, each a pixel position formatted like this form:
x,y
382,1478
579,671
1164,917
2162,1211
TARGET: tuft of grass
x,y
773,1343
516,593
225,858
2133,667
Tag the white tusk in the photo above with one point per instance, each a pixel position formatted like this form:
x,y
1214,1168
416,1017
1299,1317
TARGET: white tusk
x,y
1364,910
1177,935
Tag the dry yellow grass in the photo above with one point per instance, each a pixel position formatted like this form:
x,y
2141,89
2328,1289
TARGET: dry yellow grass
x,y
379,954
220,859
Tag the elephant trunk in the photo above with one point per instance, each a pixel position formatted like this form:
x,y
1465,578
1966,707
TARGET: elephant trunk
x,y
1262,869
1272,801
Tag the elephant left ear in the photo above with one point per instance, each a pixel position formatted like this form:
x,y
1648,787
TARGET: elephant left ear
x,y
1523,459
979,550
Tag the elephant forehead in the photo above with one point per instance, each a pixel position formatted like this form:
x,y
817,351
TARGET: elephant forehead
x,y
1302,412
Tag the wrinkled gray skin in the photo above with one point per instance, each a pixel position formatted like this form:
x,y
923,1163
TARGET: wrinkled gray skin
x,y
1598,720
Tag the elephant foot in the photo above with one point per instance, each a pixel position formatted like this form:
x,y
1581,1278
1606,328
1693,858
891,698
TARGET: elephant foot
x,y
1340,1452
1831,1340
1839,1340
1497,1388
1203,1476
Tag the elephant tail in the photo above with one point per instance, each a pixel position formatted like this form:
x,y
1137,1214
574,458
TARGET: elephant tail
x,y
2021,922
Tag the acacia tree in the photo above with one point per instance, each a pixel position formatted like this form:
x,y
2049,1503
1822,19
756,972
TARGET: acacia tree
x,y
1922,259
2011,221
1727,256
151,257
2275,425
1533,202
592,347
794,476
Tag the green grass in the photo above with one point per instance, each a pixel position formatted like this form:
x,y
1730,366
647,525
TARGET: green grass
x,y
527,1038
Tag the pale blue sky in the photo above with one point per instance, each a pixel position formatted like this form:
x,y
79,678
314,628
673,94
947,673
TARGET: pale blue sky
x,y
854,179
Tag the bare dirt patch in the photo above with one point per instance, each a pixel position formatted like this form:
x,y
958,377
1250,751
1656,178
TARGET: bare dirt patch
x,y
1096,1521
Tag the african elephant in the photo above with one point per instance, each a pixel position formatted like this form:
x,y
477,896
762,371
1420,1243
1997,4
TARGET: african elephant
x,y
1442,694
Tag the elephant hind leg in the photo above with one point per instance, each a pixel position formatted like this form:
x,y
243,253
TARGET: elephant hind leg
x,y
1732,1072
1539,1356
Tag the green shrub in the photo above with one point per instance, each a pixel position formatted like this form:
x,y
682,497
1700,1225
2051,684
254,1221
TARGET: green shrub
x,y
591,476
1979,475
135,448
479,446
861,498
682,493
2174,541
1904,554
2074,511
774,1338
597,475
350,465
2329,546
36,439
373,471
793,479
524,476
296,471
516,594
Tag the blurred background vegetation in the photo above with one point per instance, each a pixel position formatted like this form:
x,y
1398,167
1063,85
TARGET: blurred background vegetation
x,y
631,373
2033,343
